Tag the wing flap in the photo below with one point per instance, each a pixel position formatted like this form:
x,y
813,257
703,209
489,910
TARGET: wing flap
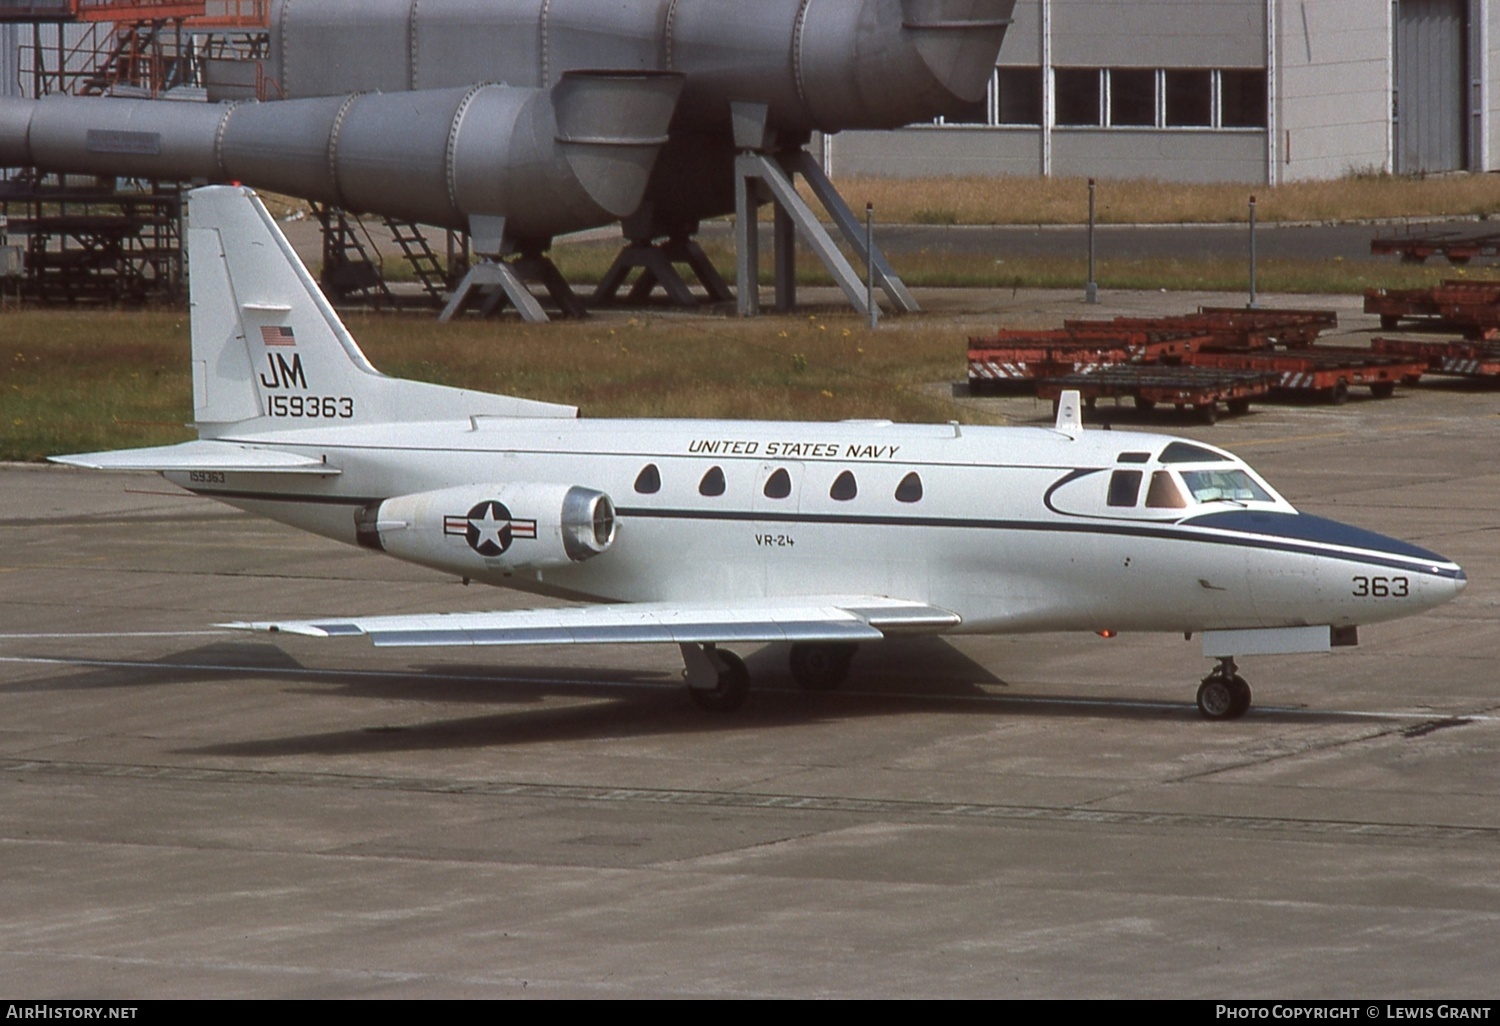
x,y
201,455
768,620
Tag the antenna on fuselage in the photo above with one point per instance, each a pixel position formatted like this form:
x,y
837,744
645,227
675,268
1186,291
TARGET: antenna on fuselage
x,y
1070,413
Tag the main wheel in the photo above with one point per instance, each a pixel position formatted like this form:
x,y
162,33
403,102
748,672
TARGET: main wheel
x,y
731,690
822,666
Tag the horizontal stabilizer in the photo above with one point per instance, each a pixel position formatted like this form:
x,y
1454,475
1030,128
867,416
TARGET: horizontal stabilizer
x,y
202,455
845,618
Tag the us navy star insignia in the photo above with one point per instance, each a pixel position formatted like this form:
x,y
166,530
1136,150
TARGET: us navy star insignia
x,y
489,527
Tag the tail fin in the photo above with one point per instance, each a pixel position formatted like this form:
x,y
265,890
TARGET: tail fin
x,y
268,347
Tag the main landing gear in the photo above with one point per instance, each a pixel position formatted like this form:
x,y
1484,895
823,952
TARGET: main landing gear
x,y
1224,695
821,666
718,681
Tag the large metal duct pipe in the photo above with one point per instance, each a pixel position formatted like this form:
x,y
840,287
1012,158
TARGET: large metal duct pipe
x,y
549,161
818,64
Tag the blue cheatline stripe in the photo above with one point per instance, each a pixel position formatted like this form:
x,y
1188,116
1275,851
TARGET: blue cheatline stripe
x,y
1285,533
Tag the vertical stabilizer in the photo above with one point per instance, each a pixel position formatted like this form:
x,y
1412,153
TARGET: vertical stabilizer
x,y
268,347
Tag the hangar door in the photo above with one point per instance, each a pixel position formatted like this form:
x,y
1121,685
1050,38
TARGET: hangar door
x,y
1429,107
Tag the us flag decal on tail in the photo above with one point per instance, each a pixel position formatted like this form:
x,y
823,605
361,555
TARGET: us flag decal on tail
x,y
277,335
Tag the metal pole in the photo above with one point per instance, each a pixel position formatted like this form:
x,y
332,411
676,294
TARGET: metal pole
x,y
1252,252
870,266
1091,289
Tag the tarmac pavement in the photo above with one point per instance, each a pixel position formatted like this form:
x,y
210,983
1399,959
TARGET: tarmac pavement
x,y
186,812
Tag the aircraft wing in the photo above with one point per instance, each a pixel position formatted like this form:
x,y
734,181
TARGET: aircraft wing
x,y
202,455
806,618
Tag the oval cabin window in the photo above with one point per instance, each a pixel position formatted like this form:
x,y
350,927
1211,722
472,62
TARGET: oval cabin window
x,y
712,483
648,482
910,488
844,487
779,484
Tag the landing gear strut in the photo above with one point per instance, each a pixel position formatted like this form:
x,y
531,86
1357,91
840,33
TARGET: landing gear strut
x,y
717,680
1224,695
821,666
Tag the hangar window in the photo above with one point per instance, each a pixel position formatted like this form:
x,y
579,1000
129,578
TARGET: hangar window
x,y
1076,94
1125,487
1018,96
844,487
910,488
712,483
1189,98
648,481
779,484
1132,98
1164,493
1242,98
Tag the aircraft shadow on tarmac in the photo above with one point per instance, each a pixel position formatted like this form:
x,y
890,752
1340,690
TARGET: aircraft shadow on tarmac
x,y
899,677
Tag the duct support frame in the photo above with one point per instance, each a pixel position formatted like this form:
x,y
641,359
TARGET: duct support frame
x,y
763,173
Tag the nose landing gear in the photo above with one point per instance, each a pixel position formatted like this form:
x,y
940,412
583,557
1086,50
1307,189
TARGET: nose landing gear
x,y
1224,695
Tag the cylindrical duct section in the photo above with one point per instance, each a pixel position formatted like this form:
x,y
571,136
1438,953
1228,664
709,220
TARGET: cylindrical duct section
x,y
817,64
548,161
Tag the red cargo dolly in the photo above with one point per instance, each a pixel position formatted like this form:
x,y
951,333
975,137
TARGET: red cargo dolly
x,y
1473,305
1011,356
1457,247
1329,371
1462,357
1201,388
1231,326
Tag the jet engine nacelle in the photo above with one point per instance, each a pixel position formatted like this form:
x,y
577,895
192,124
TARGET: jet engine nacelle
x,y
479,529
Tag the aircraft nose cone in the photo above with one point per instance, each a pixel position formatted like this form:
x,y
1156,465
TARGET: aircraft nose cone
x,y
1460,583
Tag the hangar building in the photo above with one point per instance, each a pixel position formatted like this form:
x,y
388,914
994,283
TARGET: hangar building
x,y
1260,91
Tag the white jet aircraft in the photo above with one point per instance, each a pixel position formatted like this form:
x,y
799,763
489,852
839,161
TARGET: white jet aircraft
x,y
706,533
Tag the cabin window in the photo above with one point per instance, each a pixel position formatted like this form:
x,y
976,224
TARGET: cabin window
x,y
1133,457
1125,487
712,483
779,484
910,488
844,487
648,481
1164,493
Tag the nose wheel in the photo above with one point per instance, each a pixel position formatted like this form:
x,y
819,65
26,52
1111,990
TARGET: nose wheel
x,y
1224,695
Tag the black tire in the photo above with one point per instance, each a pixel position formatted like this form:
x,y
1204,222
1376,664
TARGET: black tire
x,y
1208,413
821,666
1221,698
1339,393
1383,389
1241,693
1238,407
1142,403
731,691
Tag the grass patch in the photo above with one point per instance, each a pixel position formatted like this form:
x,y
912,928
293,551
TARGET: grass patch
x,y
1033,200
583,263
82,381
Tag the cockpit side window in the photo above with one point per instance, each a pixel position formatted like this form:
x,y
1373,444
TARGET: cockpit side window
x,y
1125,487
1164,493
1182,452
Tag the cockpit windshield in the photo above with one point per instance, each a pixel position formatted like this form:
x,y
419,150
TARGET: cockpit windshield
x,y
1224,485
